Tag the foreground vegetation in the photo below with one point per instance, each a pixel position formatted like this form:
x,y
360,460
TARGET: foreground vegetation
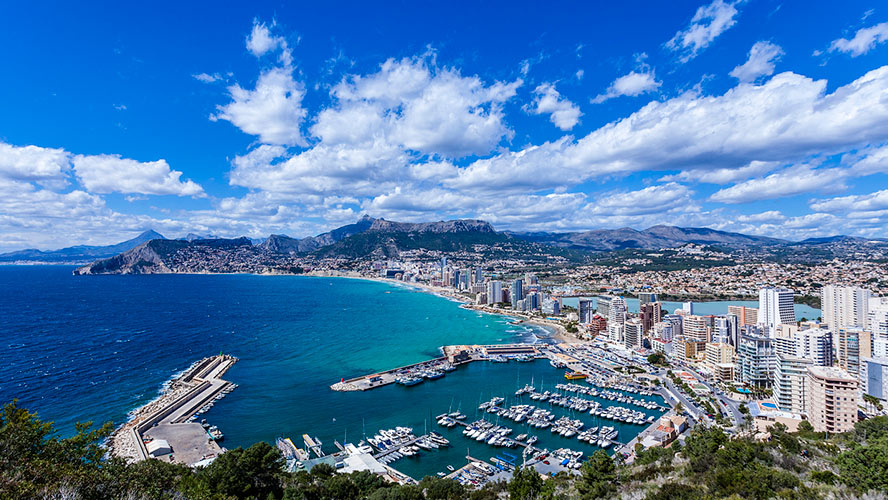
x,y
35,463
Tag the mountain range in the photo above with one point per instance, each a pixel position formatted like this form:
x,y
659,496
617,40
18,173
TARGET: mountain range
x,y
379,238
79,253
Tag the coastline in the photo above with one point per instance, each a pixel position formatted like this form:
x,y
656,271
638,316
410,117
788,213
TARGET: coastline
x,y
558,332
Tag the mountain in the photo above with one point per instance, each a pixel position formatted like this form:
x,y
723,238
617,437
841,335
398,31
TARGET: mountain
x,y
650,239
386,239
281,244
278,243
79,253
160,256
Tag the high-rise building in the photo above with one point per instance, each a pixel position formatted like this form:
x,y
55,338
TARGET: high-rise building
x,y
852,345
616,318
844,306
632,333
517,292
585,310
831,395
494,292
694,328
531,279
726,329
790,382
746,315
650,315
604,305
757,361
814,344
718,353
874,377
646,298
664,331
676,320
776,307
688,307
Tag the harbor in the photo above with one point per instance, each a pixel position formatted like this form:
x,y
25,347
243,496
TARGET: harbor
x,y
168,428
559,408
540,404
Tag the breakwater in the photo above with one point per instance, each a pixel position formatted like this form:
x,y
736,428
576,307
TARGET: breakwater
x,y
165,427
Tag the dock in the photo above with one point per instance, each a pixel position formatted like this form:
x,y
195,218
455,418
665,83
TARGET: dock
x,y
453,355
164,429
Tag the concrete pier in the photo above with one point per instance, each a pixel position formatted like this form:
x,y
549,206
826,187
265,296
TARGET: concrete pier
x,y
167,419
453,355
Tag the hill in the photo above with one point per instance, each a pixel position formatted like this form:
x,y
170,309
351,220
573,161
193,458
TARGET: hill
x,y
79,253
651,238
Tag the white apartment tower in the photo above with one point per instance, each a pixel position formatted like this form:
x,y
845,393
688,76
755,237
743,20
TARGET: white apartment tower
x,y
844,306
775,308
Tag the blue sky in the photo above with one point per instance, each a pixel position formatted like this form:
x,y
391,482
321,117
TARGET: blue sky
x,y
757,116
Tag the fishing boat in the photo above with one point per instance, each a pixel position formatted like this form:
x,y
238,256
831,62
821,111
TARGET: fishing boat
x,y
408,381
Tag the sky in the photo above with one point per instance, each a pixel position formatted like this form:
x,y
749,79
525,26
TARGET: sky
x,y
761,116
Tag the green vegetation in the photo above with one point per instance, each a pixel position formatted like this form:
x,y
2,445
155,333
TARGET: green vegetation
x,y
35,463
657,359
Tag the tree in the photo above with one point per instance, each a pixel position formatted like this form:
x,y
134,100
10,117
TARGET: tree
x,y
256,471
657,358
526,484
442,489
701,446
863,467
599,476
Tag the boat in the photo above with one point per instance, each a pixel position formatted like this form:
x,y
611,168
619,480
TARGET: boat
x,y
408,381
434,375
574,375
450,468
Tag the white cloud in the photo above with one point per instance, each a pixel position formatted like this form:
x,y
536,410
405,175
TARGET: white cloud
x,y
724,175
650,200
872,202
207,78
762,57
260,41
113,174
864,40
789,182
632,84
708,22
786,119
770,216
563,113
427,110
272,111
46,166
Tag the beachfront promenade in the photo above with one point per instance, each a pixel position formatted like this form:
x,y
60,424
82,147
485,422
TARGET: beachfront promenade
x,y
163,428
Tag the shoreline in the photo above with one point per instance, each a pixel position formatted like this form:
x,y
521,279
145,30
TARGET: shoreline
x,y
558,332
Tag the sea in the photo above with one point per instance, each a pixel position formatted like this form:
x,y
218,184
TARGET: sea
x,y
94,348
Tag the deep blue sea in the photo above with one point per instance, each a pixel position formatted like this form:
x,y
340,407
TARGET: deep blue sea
x,y
92,348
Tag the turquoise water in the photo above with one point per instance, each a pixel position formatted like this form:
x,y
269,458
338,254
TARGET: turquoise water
x,y
95,347
718,307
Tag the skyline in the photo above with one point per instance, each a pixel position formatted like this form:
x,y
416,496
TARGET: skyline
x,y
755,117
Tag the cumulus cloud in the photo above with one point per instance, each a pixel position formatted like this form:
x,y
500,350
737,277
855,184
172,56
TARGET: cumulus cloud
x,y
789,182
863,41
632,84
46,166
114,174
563,113
708,23
786,119
770,216
762,57
272,111
653,199
724,175
261,41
